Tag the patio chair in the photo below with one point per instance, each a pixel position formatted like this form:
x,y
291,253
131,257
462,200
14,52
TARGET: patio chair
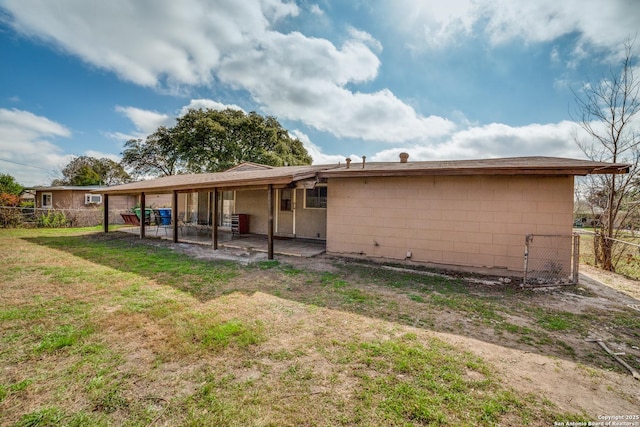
x,y
162,220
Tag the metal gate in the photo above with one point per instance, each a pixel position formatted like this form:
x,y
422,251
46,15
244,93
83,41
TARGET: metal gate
x,y
551,259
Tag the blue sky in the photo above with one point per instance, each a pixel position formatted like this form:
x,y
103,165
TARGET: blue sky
x,y
441,80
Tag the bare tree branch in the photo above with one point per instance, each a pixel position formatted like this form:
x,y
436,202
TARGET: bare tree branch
x,y
606,111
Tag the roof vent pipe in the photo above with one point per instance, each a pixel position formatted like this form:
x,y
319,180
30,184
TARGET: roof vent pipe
x,y
364,159
404,157
348,160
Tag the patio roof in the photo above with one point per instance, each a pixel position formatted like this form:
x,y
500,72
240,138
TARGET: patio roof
x,y
500,166
284,175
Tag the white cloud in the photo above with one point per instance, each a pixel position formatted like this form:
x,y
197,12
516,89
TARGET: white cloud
x,y
300,78
204,104
26,147
315,9
438,25
146,121
101,155
162,43
145,40
124,137
555,55
432,24
496,140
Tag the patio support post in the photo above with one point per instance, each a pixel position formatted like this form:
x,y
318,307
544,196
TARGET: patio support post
x,y
143,214
270,225
214,217
105,217
174,213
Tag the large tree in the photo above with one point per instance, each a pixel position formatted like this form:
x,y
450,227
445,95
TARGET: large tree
x,y
606,109
157,155
213,140
85,170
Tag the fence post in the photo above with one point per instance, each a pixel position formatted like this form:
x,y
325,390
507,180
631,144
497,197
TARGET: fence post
x,y
576,258
526,259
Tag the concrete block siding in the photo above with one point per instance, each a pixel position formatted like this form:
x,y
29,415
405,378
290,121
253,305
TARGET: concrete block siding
x,y
471,221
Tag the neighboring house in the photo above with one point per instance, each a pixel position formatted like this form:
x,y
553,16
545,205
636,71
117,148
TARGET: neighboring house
x,y
462,214
28,196
68,197
585,215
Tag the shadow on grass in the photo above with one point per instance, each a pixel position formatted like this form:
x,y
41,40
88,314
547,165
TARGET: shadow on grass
x,y
201,279
421,300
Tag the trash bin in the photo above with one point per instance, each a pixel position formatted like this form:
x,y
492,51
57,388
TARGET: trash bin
x,y
147,214
165,216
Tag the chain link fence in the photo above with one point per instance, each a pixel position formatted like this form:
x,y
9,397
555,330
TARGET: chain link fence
x,y
28,217
625,254
551,260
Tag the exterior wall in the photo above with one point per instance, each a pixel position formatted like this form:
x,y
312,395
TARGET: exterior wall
x,y
69,200
65,199
122,203
81,214
467,221
72,203
310,223
157,200
254,203
118,205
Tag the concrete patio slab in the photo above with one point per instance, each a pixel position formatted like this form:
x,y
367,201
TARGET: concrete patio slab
x,y
246,242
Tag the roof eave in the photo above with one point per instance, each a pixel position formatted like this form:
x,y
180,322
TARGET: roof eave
x,y
552,171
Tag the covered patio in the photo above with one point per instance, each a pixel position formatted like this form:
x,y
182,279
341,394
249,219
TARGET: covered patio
x,y
251,207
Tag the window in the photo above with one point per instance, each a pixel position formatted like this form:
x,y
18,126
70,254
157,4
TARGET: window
x,y
285,200
315,198
92,198
46,200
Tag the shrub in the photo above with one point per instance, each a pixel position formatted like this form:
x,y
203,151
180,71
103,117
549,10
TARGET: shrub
x,y
10,217
7,199
52,219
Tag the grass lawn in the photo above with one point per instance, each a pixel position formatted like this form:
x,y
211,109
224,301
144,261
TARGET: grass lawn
x,y
104,330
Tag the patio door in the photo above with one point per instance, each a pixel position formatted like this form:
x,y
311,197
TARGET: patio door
x,y
286,213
